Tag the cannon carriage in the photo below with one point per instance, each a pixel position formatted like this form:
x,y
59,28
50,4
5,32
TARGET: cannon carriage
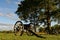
x,y
23,26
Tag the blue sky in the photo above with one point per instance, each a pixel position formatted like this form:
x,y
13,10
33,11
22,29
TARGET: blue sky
x,y
7,11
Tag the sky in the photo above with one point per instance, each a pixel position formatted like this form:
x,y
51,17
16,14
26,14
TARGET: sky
x,y
7,12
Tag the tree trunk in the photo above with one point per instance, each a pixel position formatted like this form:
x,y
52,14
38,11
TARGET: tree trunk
x,y
34,27
48,28
48,24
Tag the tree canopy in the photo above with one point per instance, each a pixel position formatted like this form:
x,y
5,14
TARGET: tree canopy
x,y
42,10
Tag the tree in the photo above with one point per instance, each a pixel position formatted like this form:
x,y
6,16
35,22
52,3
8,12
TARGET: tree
x,y
28,7
33,6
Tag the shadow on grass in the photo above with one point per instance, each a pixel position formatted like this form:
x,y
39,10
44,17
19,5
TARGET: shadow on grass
x,y
36,34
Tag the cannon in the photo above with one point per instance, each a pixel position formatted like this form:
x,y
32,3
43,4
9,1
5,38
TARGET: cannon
x,y
23,26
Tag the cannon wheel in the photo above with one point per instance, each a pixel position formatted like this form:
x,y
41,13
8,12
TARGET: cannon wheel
x,y
18,28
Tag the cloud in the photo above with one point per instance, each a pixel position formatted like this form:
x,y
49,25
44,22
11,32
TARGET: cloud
x,y
1,14
14,1
4,9
6,27
8,1
2,24
9,16
17,3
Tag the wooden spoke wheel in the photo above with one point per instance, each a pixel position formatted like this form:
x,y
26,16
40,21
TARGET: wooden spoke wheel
x,y
18,28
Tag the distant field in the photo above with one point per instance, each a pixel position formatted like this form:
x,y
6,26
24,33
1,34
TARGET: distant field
x,y
11,36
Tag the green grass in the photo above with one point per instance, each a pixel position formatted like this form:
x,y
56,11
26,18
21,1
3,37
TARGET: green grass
x,y
11,36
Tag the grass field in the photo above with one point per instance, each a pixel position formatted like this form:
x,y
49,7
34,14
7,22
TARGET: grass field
x,y
11,36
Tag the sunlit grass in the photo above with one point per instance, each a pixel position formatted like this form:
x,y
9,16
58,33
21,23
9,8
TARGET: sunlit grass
x,y
11,36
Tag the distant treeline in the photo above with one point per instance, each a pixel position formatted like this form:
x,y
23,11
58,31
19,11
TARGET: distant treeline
x,y
7,31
